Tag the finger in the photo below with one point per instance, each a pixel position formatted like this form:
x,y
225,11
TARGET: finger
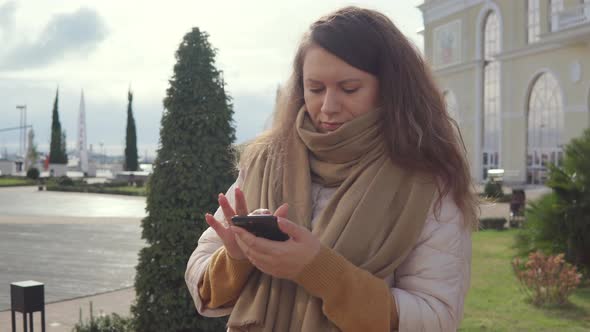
x,y
228,211
257,243
282,210
243,245
216,225
260,212
290,228
243,234
241,206
261,260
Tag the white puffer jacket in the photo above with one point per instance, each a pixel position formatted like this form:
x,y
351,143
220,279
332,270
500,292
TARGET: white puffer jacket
x,y
429,287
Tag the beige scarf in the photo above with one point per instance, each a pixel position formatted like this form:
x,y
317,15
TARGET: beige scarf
x,y
373,219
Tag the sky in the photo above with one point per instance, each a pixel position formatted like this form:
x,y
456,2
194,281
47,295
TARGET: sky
x,y
106,47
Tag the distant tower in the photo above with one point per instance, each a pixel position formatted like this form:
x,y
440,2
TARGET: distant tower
x,y
29,156
82,146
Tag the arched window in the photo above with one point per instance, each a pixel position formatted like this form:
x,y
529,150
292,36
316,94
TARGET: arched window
x,y
545,127
452,106
533,21
491,94
555,6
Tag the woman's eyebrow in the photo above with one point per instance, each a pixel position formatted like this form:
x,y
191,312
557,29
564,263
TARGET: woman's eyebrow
x,y
348,80
310,80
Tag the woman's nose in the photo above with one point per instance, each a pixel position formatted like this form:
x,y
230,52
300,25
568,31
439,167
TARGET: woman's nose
x,y
330,104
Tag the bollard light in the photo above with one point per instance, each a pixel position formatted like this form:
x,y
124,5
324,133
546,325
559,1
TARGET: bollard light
x,y
27,297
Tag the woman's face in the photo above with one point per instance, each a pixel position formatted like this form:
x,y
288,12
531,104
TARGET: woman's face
x,y
334,91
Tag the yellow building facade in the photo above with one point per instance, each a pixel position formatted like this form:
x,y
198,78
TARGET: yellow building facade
x,y
516,77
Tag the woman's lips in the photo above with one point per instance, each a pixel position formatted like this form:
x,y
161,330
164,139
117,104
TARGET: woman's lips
x,y
330,125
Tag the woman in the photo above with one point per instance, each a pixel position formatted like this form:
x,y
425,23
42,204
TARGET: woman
x,y
367,174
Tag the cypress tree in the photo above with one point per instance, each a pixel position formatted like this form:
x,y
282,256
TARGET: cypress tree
x,y
56,154
63,148
194,163
131,137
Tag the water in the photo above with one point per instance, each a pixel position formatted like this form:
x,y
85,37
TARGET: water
x,y
28,201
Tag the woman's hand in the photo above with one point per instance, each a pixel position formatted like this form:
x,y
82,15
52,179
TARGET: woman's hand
x,y
279,259
223,231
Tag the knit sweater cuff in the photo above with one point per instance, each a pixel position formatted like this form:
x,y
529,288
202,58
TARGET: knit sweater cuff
x,y
319,276
236,266
224,279
352,298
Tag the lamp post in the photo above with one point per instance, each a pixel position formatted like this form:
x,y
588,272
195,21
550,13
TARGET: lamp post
x,y
102,151
23,125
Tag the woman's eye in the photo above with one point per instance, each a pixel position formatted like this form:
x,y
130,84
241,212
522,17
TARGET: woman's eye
x,y
350,91
316,90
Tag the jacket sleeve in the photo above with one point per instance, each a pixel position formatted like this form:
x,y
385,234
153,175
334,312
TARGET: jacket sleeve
x,y
199,261
431,284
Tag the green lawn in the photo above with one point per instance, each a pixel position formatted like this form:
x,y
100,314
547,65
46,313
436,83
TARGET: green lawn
x,y
12,182
495,303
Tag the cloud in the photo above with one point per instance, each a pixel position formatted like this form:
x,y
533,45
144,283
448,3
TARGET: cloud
x,y
54,40
77,33
252,114
7,11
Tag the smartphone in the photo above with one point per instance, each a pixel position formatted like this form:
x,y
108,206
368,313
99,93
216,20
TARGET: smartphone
x,y
265,226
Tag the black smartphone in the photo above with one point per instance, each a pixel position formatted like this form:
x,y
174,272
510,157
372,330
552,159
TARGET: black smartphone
x,y
265,226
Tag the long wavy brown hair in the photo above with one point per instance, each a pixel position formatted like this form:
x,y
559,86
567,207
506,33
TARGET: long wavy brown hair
x,y
420,133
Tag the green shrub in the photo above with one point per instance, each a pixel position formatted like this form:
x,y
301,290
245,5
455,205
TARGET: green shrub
x,y
493,189
112,184
561,221
108,323
543,229
95,189
492,223
64,181
193,164
33,173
